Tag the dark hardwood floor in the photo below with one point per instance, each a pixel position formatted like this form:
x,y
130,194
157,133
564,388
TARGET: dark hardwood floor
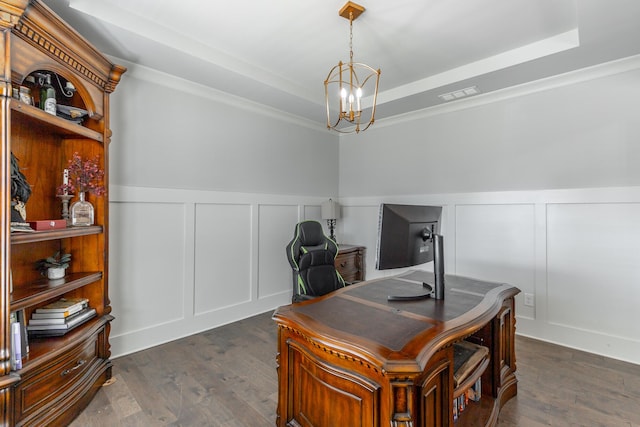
x,y
227,377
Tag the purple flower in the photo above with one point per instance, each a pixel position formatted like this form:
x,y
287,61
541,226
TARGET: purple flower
x,y
84,176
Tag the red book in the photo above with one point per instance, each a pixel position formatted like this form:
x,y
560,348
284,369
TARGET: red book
x,y
48,224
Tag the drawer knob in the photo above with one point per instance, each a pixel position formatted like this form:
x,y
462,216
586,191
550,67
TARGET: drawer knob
x,y
68,371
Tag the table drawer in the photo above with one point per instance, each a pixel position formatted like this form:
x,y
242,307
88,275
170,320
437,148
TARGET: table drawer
x,y
350,263
56,379
347,264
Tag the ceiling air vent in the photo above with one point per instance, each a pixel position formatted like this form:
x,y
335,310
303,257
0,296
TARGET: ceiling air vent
x,y
461,93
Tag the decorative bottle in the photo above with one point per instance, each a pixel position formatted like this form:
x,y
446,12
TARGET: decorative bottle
x,y
81,212
48,96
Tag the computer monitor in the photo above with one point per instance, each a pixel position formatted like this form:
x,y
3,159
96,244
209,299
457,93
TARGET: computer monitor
x,y
405,235
409,235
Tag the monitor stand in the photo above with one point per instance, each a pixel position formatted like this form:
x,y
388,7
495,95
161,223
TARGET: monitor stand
x,y
428,293
438,274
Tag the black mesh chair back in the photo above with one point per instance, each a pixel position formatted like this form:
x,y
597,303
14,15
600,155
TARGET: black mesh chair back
x,y
312,255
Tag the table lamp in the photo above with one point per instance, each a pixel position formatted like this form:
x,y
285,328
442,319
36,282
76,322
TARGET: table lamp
x,y
331,212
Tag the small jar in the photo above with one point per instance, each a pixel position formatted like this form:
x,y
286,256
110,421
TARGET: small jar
x,y
25,95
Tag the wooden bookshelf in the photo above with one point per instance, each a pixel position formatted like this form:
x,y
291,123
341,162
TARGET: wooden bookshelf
x,y
59,375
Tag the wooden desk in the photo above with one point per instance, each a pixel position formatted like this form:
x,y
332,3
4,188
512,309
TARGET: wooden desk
x,y
351,358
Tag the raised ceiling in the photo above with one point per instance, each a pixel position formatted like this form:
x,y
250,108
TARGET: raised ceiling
x,y
278,52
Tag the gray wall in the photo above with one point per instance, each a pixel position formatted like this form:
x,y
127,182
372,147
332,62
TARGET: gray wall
x,y
205,190
580,135
169,133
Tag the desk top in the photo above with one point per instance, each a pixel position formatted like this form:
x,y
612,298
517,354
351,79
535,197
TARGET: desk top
x,y
396,335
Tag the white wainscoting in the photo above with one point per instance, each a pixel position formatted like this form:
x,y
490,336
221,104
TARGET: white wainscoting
x,y
576,251
223,256
497,242
594,266
184,261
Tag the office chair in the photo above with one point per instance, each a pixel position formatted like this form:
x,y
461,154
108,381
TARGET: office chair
x,y
312,256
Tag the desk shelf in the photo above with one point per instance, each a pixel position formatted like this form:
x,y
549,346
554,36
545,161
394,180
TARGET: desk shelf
x,y
473,409
479,414
472,379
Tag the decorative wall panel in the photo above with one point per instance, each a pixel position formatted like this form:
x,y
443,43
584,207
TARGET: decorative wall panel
x,y
223,256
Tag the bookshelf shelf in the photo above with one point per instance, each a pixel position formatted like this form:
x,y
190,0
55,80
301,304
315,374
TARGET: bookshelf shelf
x,y
44,289
40,348
56,124
42,236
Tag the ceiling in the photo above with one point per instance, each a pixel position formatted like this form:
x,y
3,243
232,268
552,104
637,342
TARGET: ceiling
x,y
279,52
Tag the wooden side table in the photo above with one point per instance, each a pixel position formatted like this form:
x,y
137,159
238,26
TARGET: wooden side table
x,y
350,262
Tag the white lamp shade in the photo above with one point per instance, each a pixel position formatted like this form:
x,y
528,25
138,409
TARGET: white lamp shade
x,y
330,210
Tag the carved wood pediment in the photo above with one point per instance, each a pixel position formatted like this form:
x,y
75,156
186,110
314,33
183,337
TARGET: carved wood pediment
x,y
11,11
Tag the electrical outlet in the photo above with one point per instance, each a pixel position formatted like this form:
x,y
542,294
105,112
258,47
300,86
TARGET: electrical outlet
x,y
529,300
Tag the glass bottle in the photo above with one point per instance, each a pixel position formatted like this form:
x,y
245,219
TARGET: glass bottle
x,y
81,212
48,96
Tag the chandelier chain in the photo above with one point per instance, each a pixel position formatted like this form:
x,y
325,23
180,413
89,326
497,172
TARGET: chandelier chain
x,y
351,37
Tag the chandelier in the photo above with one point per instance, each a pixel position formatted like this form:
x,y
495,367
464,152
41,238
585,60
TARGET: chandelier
x,y
351,88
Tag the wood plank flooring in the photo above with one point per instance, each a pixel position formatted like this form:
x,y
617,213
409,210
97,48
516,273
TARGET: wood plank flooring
x,y
226,377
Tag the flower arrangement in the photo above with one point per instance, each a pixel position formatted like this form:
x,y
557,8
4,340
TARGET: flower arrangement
x,y
85,175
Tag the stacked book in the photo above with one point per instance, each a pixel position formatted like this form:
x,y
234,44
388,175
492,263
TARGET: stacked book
x,y
59,317
460,403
